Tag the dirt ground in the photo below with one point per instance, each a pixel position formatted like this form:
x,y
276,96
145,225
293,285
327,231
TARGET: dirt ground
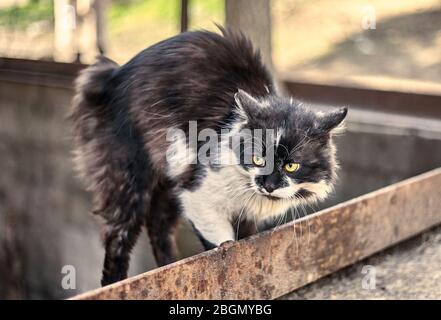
x,y
410,270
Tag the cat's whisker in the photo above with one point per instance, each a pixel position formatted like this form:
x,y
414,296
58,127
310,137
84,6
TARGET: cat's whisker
x,y
254,217
301,206
309,231
286,149
295,234
300,145
241,193
240,215
309,226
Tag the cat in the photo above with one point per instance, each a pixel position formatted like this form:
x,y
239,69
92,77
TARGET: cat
x,y
140,174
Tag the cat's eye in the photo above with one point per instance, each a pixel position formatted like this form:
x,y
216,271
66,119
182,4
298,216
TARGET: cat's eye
x,y
292,167
258,161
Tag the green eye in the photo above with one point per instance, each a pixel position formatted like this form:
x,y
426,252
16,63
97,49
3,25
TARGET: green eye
x,y
292,167
258,161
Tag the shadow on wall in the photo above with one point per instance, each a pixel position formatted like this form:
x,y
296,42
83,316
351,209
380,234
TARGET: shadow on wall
x,y
405,46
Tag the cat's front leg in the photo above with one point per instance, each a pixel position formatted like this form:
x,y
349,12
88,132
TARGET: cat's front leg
x,y
212,229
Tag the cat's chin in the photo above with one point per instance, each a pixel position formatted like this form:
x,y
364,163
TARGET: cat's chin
x,y
272,198
298,196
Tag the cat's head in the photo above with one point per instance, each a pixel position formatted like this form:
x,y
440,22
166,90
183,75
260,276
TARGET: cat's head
x,y
295,158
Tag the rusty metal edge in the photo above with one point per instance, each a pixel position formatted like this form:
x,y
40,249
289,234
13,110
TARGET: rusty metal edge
x,y
276,262
39,73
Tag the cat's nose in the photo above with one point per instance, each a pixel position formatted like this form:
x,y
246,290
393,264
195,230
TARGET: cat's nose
x,y
269,187
270,182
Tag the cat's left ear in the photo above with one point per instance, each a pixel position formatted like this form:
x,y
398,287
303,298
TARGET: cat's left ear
x,y
331,120
246,104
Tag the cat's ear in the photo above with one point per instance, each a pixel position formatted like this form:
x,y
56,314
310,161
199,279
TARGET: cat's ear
x,y
246,103
331,120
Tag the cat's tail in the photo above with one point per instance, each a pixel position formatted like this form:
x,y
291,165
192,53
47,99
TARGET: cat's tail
x,y
90,114
91,84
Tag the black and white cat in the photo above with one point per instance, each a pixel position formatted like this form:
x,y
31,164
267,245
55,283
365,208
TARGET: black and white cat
x,y
123,117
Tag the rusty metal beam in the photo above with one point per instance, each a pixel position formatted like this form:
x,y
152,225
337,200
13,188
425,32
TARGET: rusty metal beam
x,y
39,73
355,94
273,263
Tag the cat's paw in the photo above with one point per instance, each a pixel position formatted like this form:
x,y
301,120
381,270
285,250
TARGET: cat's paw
x,y
226,244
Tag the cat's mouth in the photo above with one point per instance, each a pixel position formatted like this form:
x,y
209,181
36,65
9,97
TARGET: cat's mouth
x,y
271,197
268,195
300,194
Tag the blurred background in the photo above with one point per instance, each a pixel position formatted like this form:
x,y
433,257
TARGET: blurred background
x,y
380,58
306,35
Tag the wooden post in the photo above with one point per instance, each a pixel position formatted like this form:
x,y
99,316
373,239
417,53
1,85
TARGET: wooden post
x,y
100,6
64,29
253,18
184,15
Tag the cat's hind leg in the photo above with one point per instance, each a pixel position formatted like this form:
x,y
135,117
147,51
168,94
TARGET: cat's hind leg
x,y
161,222
125,200
121,184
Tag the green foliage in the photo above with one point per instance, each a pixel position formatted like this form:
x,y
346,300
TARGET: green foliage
x,y
135,24
163,11
20,17
120,12
156,10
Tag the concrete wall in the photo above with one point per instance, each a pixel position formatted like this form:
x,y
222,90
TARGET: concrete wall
x,y
44,219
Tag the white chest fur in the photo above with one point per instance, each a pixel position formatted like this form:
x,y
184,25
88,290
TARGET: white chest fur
x,y
223,195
